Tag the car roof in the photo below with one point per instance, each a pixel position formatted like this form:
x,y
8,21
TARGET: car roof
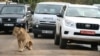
x,y
80,5
15,5
6,3
54,3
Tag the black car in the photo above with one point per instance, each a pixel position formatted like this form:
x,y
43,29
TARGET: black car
x,y
15,15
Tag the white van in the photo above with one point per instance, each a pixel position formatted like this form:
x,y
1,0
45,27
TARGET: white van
x,y
45,16
80,24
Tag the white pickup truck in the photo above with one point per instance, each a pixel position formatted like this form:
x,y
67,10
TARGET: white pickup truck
x,y
44,18
80,24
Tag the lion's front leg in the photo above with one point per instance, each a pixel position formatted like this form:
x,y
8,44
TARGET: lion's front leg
x,y
21,45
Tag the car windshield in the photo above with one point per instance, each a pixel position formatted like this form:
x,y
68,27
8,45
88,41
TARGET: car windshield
x,y
13,10
83,12
1,5
48,9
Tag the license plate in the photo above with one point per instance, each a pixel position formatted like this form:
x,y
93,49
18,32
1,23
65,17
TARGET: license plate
x,y
47,31
87,32
8,24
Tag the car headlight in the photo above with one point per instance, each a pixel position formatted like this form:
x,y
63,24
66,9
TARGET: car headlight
x,y
20,20
69,23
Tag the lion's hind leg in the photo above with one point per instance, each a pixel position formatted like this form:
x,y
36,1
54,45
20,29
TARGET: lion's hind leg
x,y
29,45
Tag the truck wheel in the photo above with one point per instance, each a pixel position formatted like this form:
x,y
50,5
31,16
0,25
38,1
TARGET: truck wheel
x,y
53,35
62,43
6,31
57,39
94,46
35,35
30,30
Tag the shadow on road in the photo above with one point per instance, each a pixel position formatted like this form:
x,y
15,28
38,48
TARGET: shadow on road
x,y
5,33
70,46
78,47
44,37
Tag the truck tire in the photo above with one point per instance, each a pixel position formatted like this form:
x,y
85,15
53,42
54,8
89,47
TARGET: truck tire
x,y
6,31
57,39
62,41
94,46
35,35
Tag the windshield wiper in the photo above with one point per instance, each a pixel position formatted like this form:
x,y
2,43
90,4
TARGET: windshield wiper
x,y
44,13
10,13
80,16
7,13
95,17
87,16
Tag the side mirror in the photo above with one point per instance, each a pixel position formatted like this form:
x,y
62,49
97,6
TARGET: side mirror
x,y
28,13
32,12
60,15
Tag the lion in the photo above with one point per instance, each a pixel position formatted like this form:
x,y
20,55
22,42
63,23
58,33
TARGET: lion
x,y
23,38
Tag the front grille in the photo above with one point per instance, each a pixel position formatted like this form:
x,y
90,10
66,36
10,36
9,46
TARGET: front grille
x,y
47,22
45,27
87,26
9,20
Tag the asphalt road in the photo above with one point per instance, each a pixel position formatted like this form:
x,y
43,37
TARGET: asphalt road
x,y
43,46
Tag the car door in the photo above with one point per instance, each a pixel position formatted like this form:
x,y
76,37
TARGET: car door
x,y
59,20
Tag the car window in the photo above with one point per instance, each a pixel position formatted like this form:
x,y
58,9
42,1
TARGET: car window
x,y
1,5
84,12
48,9
13,10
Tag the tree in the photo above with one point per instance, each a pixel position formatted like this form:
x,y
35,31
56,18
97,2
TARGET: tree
x,y
33,2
